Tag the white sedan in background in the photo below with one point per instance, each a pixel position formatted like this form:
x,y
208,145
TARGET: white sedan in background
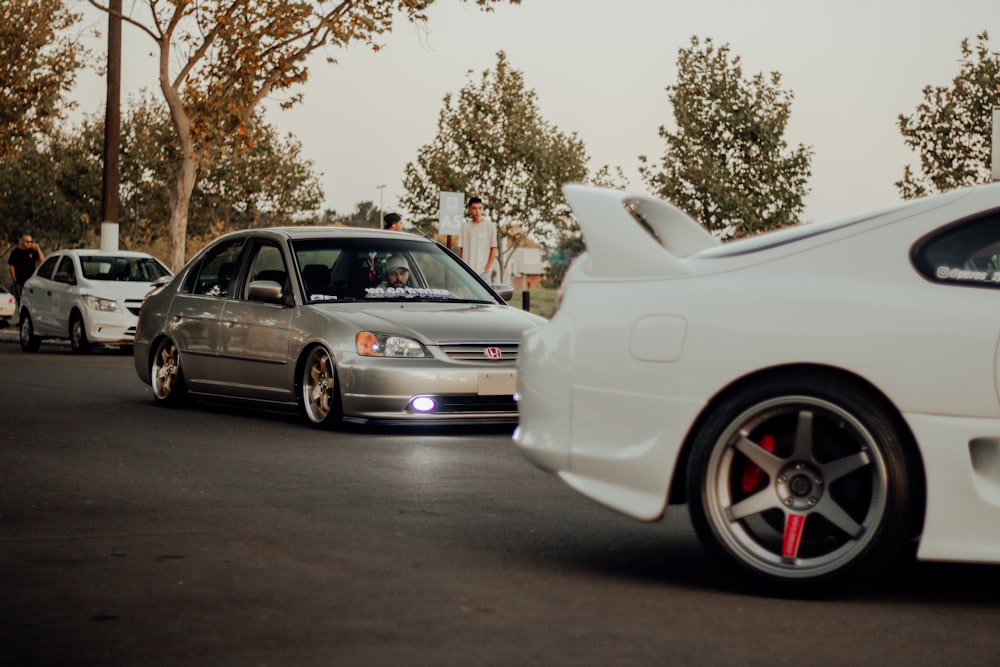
x,y
819,396
87,297
7,306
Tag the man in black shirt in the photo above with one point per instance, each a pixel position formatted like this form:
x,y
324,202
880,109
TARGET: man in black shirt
x,y
23,260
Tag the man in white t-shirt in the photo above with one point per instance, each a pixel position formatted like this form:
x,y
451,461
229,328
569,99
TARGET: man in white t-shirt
x,y
477,240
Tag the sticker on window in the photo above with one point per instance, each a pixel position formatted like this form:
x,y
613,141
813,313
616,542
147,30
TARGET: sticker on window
x,y
406,293
967,275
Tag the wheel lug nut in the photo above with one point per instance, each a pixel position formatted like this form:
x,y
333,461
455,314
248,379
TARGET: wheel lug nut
x,y
818,479
800,465
812,502
788,501
782,479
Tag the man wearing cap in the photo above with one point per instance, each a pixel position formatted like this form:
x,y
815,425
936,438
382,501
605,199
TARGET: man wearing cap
x,y
393,222
397,272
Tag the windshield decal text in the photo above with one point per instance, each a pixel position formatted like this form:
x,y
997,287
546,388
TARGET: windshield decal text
x,y
406,293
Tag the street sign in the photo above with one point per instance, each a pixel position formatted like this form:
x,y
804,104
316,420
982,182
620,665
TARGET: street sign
x,y
451,213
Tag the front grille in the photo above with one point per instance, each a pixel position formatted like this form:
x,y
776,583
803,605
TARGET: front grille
x,y
476,351
133,307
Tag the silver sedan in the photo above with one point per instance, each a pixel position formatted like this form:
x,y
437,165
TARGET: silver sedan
x,y
342,323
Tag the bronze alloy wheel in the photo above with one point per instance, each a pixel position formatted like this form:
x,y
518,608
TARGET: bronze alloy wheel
x,y
320,396
165,373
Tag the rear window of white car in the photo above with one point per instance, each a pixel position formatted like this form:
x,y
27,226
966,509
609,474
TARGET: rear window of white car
x,y
967,253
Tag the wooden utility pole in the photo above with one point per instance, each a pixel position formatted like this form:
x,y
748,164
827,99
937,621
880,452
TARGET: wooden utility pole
x,y
112,130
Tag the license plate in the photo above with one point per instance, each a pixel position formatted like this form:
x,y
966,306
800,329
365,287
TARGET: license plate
x,y
497,384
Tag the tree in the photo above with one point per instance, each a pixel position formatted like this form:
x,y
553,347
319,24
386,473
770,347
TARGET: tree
x,y
219,59
38,63
493,143
51,190
728,164
264,180
950,129
366,214
54,188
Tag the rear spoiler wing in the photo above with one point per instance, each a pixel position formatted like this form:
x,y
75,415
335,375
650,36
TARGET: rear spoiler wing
x,y
629,235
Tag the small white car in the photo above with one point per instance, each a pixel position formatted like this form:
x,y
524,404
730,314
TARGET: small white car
x,y
819,396
90,297
8,306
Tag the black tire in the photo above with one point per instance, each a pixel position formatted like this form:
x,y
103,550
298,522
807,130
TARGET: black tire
x,y
26,334
319,391
804,483
78,334
165,374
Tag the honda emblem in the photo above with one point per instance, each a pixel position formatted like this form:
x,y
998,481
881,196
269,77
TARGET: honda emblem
x,y
493,353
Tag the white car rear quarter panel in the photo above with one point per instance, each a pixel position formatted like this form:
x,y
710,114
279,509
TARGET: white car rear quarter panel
x,y
962,520
640,372
611,386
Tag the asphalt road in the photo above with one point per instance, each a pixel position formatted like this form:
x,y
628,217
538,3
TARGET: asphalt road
x,y
132,534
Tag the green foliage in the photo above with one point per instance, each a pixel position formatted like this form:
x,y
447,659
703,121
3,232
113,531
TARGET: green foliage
x,y
560,257
950,129
38,63
260,180
53,188
365,214
492,142
728,164
49,188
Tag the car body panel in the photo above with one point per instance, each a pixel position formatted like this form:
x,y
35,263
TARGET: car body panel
x,y
612,388
236,346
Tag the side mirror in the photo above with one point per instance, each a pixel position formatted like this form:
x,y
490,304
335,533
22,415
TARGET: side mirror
x,y
63,277
161,281
266,290
506,292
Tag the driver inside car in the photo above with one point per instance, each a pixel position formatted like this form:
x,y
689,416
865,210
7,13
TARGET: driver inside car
x,y
397,272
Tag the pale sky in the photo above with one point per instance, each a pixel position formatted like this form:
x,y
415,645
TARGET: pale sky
x,y
600,70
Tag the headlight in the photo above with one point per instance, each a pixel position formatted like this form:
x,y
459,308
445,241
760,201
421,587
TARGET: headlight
x,y
104,305
371,344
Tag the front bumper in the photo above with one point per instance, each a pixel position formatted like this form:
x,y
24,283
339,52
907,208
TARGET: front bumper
x,y
385,390
111,328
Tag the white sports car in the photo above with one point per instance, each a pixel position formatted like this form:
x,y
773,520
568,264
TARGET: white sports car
x,y
819,396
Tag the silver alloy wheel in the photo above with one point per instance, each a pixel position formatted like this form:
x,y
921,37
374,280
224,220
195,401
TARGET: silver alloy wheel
x,y
78,334
26,331
318,385
165,371
809,508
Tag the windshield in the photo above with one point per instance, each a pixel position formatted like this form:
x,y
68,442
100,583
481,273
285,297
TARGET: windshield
x,y
122,269
380,269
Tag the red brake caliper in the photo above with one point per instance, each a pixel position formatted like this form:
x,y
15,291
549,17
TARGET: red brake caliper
x,y
752,474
